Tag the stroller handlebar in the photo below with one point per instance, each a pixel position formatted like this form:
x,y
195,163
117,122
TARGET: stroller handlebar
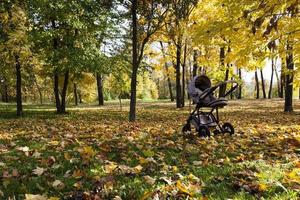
x,y
210,90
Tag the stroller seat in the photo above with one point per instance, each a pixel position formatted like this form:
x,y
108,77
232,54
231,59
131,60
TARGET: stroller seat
x,y
217,103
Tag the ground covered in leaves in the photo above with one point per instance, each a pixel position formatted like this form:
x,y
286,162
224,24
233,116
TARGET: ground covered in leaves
x,y
94,153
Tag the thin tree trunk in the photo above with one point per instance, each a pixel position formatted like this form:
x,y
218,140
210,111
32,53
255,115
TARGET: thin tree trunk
x,y
56,93
263,84
178,85
271,80
278,82
64,93
183,73
5,97
132,114
167,72
79,97
100,89
257,85
75,94
195,63
240,86
288,103
222,61
39,89
18,86
231,94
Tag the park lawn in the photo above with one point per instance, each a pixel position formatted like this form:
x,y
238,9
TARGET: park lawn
x,y
95,153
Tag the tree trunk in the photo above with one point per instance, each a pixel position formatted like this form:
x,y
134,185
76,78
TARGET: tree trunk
x,y
169,83
132,114
231,94
222,88
39,89
288,103
79,97
178,85
183,73
167,72
100,89
64,93
278,82
240,86
18,86
257,85
271,80
56,93
282,78
75,94
195,63
263,84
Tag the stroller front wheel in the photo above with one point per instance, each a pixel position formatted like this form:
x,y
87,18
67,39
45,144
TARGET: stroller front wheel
x,y
203,131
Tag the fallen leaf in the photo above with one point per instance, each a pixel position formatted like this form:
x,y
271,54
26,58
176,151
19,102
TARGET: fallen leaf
x,y
58,184
35,197
38,171
149,180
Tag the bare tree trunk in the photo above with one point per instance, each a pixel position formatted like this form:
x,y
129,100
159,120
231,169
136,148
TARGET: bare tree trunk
x,y
278,81
178,85
100,89
79,97
183,73
75,94
257,85
56,93
231,94
167,73
18,86
195,63
263,84
240,86
271,80
132,114
222,61
288,103
64,93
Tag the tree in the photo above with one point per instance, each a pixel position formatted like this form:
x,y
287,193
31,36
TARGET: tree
x,y
146,17
14,44
67,33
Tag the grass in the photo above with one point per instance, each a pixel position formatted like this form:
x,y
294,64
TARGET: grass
x,y
93,151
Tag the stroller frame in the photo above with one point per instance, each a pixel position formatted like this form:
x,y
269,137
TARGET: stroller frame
x,y
202,127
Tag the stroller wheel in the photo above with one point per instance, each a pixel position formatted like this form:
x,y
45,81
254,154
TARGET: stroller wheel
x,y
186,128
228,128
203,131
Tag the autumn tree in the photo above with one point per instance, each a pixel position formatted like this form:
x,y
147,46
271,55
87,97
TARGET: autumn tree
x,y
14,44
146,18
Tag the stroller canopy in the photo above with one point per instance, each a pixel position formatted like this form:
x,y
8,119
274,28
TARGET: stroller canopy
x,y
198,85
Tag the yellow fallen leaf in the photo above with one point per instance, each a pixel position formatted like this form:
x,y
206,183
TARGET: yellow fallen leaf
x,y
182,188
34,197
77,173
138,169
262,187
54,198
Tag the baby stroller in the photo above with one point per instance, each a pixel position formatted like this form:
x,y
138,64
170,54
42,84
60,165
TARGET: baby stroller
x,y
202,94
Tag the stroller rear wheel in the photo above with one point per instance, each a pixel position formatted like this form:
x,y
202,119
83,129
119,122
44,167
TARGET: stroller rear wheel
x,y
228,128
203,131
186,128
